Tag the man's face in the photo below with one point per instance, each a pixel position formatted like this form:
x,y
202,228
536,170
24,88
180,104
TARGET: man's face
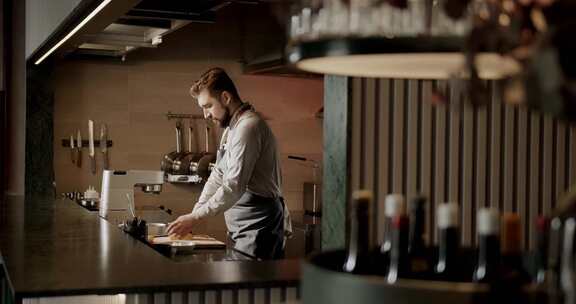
x,y
214,108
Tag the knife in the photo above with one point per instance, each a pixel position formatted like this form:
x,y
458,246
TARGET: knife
x,y
91,146
72,150
104,145
78,149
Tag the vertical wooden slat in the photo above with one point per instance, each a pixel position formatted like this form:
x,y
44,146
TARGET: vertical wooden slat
x,y
244,296
259,296
292,295
369,121
567,153
368,171
572,157
384,138
481,159
495,152
426,155
179,298
412,138
521,175
508,165
375,93
453,153
161,298
356,149
398,137
440,158
275,295
545,196
534,173
467,176
228,296
560,166
211,297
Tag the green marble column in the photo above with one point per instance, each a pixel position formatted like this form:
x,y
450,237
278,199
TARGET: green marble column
x,y
39,176
336,161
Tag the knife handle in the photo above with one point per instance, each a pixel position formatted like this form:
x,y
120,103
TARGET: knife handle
x,y
105,160
78,157
93,164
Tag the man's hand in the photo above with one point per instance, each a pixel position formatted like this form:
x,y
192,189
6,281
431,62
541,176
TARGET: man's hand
x,y
182,225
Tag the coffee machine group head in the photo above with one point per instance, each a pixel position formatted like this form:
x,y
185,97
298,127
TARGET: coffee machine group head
x,y
118,188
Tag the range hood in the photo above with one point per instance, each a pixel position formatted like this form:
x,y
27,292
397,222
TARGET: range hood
x,y
144,26
118,39
121,27
107,28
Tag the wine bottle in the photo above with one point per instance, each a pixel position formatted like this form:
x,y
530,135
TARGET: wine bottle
x,y
394,205
399,252
489,246
418,257
554,253
447,268
512,271
358,256
541,254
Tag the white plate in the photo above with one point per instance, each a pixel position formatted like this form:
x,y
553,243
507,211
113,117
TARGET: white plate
x,y
182,246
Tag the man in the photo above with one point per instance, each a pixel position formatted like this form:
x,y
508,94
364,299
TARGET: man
x,y
245,183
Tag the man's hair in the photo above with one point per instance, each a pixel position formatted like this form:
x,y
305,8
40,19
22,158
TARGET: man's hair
x,y
216,81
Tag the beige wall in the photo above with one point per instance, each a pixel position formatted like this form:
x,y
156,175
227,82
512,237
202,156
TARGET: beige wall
x,y
133,97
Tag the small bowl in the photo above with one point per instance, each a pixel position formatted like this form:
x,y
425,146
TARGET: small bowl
x,y
156,229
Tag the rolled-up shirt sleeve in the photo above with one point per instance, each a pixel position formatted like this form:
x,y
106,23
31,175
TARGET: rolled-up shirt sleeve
x,y
212,184
243,153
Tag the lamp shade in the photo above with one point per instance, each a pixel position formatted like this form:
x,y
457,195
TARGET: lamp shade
x,y
403,57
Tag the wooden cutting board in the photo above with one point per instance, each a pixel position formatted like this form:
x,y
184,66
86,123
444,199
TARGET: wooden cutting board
x,y
200,241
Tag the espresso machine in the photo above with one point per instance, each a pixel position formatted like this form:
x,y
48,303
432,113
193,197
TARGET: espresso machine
x,y
118,189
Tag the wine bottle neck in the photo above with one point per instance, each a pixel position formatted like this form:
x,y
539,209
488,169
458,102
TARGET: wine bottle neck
x,y
448,242
488,250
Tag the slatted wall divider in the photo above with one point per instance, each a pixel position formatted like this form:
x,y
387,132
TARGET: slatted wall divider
x,y
496,155
274,295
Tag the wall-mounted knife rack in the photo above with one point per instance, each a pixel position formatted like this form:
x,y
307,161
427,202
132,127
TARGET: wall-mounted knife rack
x,y
86,144
171,115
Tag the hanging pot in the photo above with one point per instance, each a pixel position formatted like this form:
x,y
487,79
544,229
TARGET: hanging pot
x,y
207,161
168,159
181,165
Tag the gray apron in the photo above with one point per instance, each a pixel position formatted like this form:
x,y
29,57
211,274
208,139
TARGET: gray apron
x,y
256,226
255,223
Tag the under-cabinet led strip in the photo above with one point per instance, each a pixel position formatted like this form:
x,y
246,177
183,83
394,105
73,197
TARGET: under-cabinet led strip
x,y
76,29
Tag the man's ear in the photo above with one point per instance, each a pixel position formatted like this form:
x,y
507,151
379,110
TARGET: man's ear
x,y
226,98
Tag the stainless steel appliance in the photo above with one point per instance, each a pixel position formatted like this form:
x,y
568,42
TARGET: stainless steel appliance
x,y
312,198
312,191
118,188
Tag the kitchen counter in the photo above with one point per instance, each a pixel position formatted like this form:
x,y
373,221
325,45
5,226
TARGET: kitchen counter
x,y
56,248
